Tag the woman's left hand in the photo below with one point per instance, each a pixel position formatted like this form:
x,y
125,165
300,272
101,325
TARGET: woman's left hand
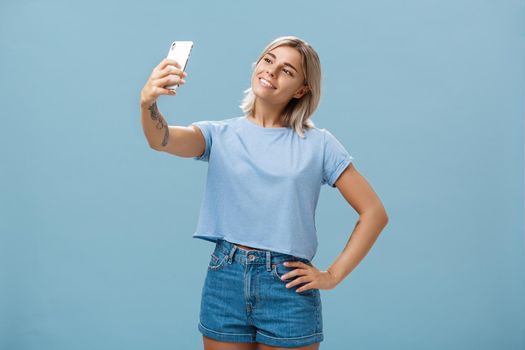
x,y
309,275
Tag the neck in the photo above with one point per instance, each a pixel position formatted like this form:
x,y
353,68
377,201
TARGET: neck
x,y
267,115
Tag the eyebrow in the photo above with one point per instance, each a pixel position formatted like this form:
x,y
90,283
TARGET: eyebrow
x,y
285,63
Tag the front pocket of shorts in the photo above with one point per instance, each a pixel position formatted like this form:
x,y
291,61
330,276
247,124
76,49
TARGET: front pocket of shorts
x,y
216,262
278,270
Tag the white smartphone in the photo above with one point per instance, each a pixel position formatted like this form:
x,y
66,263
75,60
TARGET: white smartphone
x,y
180,52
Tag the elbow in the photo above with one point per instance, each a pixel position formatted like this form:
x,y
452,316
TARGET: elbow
x,y
381,213
384,217
377,214
153,147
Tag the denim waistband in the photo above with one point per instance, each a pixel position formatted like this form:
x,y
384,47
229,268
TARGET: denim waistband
x,y
256,257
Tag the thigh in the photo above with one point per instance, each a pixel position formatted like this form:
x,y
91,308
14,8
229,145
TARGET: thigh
x,y
283,317
212,344
314,346
223,315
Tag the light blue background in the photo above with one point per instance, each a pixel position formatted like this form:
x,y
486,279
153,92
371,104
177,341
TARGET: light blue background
x,y
428,96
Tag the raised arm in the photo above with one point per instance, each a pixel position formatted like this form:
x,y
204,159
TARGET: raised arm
x,y
181,141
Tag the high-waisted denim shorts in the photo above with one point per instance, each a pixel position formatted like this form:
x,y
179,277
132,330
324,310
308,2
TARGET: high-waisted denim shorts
x,y
245,300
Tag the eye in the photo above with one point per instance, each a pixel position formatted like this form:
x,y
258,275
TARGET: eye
x,y
266,59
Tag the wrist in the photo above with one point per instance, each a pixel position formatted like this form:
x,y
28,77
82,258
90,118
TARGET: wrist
x,y
145,104
145,100
335,278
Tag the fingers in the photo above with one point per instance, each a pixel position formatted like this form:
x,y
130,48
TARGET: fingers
x,y
166,62
167,67
299,280
163,91
300,268
306,287
295,263
167,73
169,80
168,70
293,273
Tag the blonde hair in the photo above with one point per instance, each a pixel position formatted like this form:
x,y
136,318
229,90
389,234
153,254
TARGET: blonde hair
x,y
297,112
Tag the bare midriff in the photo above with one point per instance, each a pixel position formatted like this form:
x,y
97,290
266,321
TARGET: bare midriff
x,y
246,247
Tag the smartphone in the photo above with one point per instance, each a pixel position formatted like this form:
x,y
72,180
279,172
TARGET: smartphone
x,y
180,52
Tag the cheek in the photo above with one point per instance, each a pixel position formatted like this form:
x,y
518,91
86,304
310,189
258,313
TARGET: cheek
x,y
288,88
255,81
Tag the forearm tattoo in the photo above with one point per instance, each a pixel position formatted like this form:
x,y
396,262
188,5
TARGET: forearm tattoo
x,y
161,123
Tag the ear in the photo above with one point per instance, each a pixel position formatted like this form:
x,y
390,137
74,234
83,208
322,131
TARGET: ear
x,y
302,91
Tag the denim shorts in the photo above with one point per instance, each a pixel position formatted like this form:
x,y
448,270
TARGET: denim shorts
x,y
245,300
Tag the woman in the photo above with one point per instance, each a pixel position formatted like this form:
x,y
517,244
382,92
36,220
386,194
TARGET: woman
x,y
265,171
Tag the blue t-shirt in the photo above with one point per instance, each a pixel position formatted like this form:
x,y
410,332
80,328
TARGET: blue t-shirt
x,y
263,184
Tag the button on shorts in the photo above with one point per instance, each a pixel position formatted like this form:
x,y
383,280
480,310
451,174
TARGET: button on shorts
x,y
244,300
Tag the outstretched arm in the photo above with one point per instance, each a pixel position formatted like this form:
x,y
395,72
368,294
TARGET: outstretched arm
x,y
182,141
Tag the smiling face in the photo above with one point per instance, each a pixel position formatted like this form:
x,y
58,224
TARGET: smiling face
x,y
282,68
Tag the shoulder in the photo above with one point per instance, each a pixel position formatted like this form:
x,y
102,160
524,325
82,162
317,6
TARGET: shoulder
x,y
216,124
329,137
325,132
318,134
228,121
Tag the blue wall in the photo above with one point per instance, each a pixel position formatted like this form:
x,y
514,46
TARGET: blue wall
x,y
96,249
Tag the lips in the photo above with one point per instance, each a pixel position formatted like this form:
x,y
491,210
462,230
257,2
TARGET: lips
x,y
264,82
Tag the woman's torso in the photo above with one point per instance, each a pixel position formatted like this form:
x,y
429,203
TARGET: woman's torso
x,y
245,247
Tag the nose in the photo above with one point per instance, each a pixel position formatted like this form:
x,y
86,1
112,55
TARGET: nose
x,y
270,72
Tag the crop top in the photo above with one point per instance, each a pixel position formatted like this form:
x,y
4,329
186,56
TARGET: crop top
x,y
263,184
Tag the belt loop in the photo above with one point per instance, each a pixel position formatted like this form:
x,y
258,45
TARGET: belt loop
x,y
268,261
232,251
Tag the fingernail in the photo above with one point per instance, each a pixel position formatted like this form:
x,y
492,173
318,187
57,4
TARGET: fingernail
x,y
285,263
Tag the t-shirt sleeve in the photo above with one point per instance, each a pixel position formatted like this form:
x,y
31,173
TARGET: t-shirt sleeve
x,y
207,128
335,160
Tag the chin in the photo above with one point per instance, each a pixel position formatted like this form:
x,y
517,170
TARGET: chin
x,y
257,90
261,91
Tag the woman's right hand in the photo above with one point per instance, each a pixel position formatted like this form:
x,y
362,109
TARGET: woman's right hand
x,y
167,72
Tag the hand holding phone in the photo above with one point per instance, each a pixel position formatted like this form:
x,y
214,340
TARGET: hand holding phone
x,y
180,52
166,73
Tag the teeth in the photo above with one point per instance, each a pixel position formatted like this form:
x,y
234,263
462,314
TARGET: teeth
x,y
266,83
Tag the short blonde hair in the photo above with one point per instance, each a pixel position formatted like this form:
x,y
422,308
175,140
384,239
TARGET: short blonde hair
x,y
298,111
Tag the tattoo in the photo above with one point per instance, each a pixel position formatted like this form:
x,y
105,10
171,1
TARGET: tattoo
x,y
161,123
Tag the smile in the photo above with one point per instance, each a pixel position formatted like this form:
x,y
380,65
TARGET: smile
x,y
266,84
